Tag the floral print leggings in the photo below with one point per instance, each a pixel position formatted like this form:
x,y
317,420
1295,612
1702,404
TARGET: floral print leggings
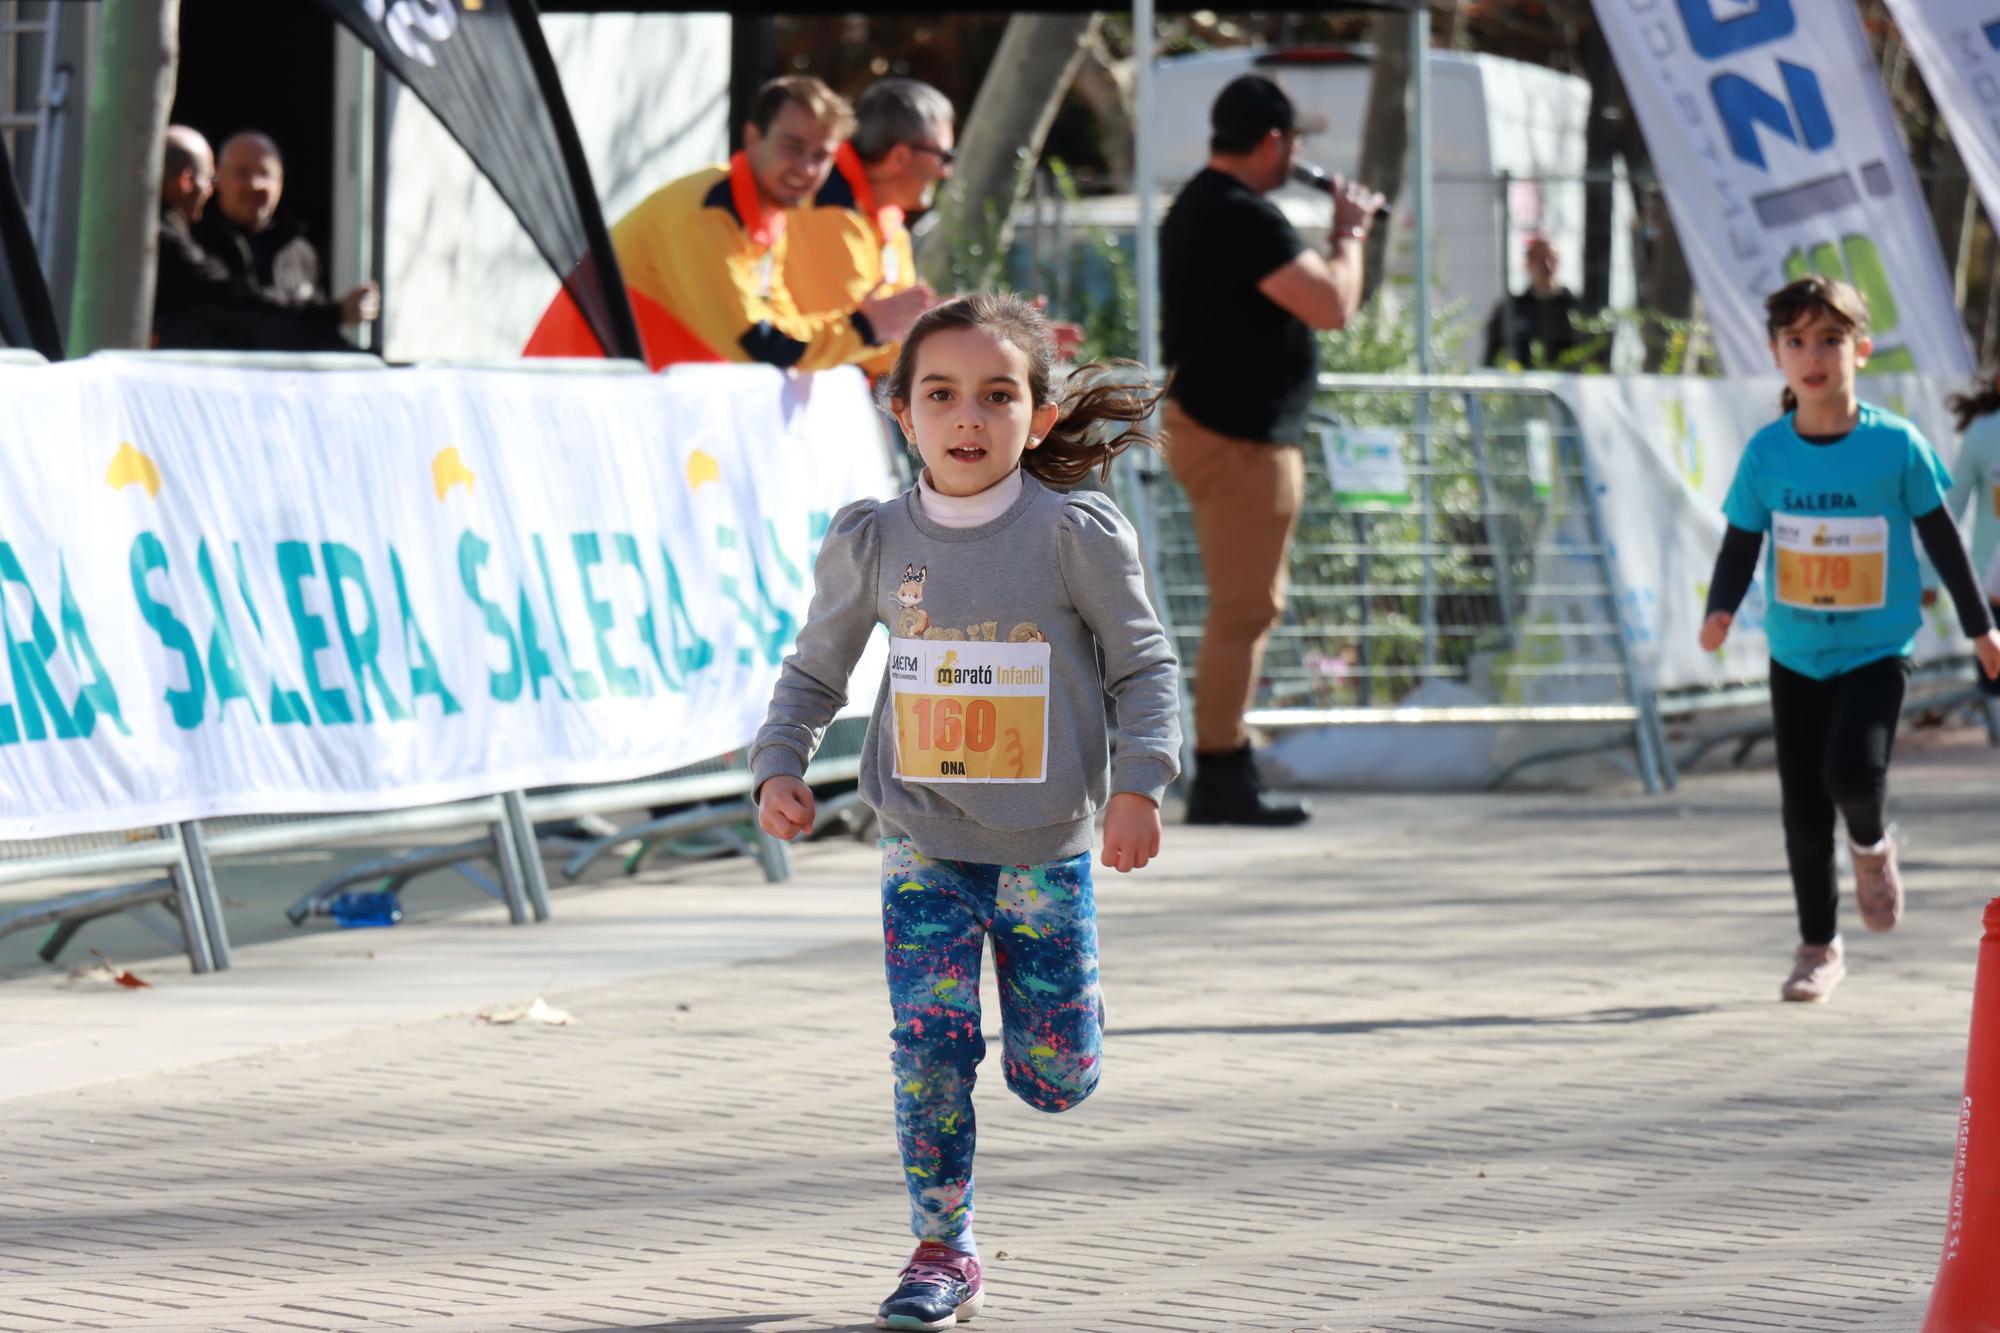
x,y
936,917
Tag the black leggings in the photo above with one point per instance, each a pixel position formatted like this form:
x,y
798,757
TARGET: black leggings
x,y
1833,739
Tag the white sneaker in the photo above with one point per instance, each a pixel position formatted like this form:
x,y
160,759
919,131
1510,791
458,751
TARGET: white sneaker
x,y
1878,885
1816,970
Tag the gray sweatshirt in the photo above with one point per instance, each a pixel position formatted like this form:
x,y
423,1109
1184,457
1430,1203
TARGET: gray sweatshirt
x,y
988,742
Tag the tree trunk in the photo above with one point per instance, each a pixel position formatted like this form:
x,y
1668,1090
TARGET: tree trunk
x,y
1669,288
1385,136
1104,84
1601,137
118,243
1004,132
1448,29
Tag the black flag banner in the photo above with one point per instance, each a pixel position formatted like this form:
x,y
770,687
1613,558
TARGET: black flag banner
x,y
27,318
484,70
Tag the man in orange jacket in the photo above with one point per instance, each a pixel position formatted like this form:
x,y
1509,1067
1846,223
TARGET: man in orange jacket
x,y
850,239
704,256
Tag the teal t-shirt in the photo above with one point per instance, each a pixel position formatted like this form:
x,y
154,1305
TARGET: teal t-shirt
x,y
1978,471
1842,582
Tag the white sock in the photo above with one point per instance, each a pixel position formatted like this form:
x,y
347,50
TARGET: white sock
x,y
1876,850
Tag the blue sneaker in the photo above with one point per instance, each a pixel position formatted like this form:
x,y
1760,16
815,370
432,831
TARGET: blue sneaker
x,y
939,1287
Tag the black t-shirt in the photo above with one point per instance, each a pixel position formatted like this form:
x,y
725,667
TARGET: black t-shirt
x,y
1525,320
1243,365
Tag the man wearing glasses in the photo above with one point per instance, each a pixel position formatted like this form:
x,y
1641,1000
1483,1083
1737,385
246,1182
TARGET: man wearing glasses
x,y
704,256
850,241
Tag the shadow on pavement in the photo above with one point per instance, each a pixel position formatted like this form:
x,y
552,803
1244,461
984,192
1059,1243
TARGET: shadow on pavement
x,y
1592,1018
739,1323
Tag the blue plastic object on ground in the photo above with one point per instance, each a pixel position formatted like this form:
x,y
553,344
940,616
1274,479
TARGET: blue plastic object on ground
x,y
366,909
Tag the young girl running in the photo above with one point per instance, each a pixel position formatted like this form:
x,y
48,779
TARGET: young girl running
x,y
1837,483
1013,610
1977,470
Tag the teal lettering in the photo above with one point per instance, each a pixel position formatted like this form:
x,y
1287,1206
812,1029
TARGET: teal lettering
x,y
225,667
540,668
295,566
97,698
425,678
627,547
28,659
287,706
503,685
363,646
622,681
688,649
586,682
770,624
149,555
794,573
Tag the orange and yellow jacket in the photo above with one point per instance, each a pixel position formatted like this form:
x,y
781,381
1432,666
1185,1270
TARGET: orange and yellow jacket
x,y
704,264
838,247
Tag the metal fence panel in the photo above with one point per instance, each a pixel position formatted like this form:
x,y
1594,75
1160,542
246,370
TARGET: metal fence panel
x,y
1449,567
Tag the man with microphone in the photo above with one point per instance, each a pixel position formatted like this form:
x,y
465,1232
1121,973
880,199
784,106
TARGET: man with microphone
x,y
1241,298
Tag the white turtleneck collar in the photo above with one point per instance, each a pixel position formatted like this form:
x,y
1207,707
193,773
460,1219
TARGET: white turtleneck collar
x,y
968,511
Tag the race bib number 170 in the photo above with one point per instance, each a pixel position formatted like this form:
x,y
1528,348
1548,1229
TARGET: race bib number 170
x,y
970,712
1831,564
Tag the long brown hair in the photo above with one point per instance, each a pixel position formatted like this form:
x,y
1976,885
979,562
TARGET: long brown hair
x,y
1982,399
1813,296
1096,398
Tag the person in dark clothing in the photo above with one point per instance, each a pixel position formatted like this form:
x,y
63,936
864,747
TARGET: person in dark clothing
x,y
1241,297
272,254
1535,328
197,301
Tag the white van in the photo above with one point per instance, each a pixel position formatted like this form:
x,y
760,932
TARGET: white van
x,y
1507,162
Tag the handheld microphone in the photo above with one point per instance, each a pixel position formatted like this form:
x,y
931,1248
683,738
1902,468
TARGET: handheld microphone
x,y
1316,178
1305,173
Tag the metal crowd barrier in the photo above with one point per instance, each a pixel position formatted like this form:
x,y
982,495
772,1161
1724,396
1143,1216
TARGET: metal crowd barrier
x,y
1936,687
510,830
1475,589
513,831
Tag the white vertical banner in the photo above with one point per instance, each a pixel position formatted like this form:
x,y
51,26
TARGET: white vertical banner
x,y
1780,156
1957,47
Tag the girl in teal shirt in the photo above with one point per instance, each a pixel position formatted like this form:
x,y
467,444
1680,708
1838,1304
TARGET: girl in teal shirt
x,y
1837,485
1977,470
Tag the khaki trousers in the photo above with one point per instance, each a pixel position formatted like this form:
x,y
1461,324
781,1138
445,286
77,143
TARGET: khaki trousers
x,y
1246,498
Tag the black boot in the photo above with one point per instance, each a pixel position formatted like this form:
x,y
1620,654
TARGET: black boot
x,y
1227,790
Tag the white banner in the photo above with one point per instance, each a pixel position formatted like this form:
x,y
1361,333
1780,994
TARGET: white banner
x,y
232,591
1780,156
1957,47
1666,449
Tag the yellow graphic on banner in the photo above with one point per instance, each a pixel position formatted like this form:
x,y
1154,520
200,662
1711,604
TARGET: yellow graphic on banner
x,y
970,712
449,470
130,467
1832,564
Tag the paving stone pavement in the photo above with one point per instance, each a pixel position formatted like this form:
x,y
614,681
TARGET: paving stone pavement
x,y
1431,1064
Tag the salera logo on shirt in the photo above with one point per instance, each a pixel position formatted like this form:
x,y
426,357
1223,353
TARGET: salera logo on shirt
x,y
1824,503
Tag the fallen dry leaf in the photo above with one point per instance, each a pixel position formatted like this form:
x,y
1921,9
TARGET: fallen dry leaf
x,y
109,973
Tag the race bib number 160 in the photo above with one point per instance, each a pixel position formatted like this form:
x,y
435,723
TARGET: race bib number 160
x,y
970,712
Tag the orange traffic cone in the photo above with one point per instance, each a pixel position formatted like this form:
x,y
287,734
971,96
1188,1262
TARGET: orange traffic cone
x,y
1966,1298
